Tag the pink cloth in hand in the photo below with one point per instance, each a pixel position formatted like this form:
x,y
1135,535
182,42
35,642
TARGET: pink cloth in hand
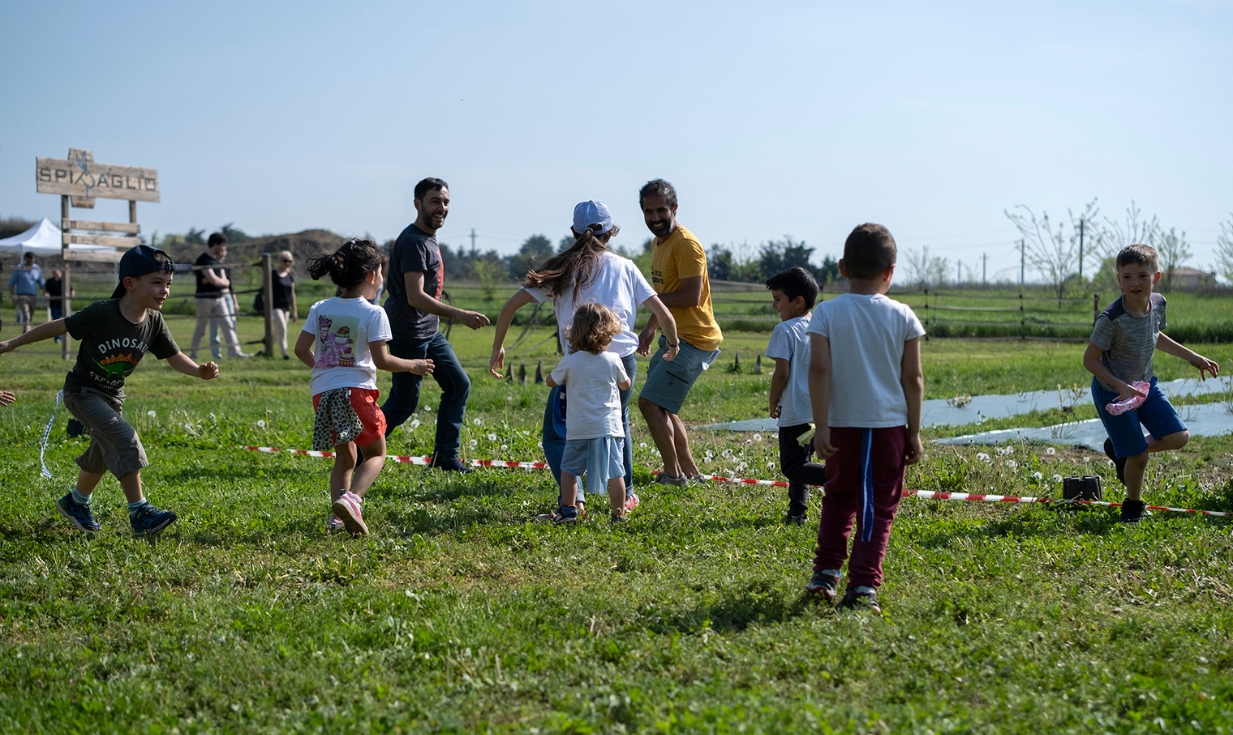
x,y
1117,408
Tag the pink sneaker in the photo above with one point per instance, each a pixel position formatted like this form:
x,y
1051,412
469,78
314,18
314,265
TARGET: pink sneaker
x,y
347,508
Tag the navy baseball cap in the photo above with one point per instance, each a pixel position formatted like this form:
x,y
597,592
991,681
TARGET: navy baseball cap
x,y
141,260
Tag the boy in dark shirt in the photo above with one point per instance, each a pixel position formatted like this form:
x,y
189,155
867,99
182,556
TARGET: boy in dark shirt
x,y
114,336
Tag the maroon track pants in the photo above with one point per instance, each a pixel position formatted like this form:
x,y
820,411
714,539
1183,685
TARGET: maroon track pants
x,y
864,483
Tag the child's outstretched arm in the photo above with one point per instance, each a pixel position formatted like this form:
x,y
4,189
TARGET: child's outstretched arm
x,y
382,358
304,348
1091,361
184,364
912,378
506,318
1169,346
47,330
667,323
820,394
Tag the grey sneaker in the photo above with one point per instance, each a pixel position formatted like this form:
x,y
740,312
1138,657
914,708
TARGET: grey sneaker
x,y
823,584
664,478
860,601
80,515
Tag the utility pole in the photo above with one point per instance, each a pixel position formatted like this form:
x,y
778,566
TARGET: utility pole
x,y
1022,262
1080,251
984,268
472,239
958,273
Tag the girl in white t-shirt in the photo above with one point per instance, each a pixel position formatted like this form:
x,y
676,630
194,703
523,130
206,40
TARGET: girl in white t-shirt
x,y
344,343
594,437
588,272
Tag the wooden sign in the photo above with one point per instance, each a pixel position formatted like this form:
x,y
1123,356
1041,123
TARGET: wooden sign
x,y
84,224
94,256
68,238
80,177
81,154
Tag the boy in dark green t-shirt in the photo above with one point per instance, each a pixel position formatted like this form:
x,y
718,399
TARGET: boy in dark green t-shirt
x,y
115,335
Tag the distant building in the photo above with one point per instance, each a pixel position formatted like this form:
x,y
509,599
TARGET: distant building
x,y
1191,279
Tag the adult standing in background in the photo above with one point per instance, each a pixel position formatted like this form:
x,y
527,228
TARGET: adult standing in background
x,y
678,275
53,291
417,277
215,301
284,304
24,286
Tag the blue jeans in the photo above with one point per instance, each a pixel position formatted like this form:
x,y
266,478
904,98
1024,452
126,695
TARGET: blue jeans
x,y
405,391
554,443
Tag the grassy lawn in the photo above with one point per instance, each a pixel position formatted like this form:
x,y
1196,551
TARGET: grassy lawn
x,y
461,614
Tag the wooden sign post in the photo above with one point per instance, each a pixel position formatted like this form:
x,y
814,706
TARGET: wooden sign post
x,y
78,180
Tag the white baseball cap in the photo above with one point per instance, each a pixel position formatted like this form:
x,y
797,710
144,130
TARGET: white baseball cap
x,y
591,215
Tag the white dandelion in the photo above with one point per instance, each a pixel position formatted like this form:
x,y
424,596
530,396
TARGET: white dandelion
x,y
260,423
1057,478
642,445
775,435
1037,476
757,437
476,422
982,456
415,424
770,465
1011,463
504,447
151,414
474,444
1050,451
492,437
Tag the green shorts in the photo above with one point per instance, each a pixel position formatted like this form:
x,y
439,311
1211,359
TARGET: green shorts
x,y
667,383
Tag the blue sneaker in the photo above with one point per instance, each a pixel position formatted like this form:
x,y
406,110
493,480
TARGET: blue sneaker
x,y
79,514
149,520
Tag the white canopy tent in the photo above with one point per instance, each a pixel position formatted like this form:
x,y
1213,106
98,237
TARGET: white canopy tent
x,y
42,239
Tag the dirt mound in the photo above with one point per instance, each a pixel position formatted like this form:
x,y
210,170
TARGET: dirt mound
x,y
303,245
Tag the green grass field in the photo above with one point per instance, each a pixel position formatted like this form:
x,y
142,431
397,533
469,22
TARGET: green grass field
x,y
459,613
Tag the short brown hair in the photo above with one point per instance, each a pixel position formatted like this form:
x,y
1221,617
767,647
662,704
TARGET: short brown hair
x,y
1139,255
868,252
593,329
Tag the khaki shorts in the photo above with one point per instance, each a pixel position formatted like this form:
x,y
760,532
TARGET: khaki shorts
x,y
114,444
25,308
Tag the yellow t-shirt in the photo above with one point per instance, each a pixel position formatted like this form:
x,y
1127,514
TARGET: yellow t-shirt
x,y
677,256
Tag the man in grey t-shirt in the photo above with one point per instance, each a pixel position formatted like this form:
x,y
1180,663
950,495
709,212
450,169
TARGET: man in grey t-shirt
x,y
415,283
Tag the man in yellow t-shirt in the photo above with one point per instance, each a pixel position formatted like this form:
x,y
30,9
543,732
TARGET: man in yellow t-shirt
x,y
679,277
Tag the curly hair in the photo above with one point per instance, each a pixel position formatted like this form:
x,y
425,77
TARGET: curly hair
x,y
349,265
593,328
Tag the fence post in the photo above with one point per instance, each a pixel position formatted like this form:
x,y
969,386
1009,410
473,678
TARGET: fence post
x,y
1022,318
928,324
1095,308
267,285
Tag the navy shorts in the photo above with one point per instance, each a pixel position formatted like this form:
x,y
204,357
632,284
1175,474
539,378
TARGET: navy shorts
x,y
1156,415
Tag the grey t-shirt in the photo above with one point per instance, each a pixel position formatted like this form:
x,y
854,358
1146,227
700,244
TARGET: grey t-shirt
x,y
111,346
414,250
1129,341
789,342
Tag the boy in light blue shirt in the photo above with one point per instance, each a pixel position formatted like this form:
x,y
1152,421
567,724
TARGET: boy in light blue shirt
x,y
793,293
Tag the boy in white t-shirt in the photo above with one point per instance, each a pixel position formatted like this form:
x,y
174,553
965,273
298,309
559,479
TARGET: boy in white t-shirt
x,y
594,436
793,294
866,387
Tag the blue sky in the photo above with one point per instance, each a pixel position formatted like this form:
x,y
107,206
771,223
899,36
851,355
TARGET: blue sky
x,y
797,118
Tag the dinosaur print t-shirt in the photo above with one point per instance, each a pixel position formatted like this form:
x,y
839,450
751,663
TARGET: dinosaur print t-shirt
x,y
343,328
111,346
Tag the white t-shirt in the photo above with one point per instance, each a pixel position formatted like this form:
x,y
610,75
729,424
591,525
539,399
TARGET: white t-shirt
x,y
343,328
788,342
618,285
867,333
592,400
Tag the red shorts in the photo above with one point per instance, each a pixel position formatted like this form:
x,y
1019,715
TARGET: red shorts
x,y
365,404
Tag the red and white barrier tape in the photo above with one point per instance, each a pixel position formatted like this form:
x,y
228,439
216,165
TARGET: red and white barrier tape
x,y
927,494
421,461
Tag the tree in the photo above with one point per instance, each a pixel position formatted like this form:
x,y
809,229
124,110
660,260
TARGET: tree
x,y
1224,249
234,235
534,251
777,256
925,270
566,243
194,236
1117,235
1053,253
1174,251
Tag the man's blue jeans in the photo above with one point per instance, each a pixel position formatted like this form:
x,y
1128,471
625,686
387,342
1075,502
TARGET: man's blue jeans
x,y
405,391
554,443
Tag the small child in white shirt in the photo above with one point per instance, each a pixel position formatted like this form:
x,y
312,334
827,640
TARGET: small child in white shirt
x,y
594,434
